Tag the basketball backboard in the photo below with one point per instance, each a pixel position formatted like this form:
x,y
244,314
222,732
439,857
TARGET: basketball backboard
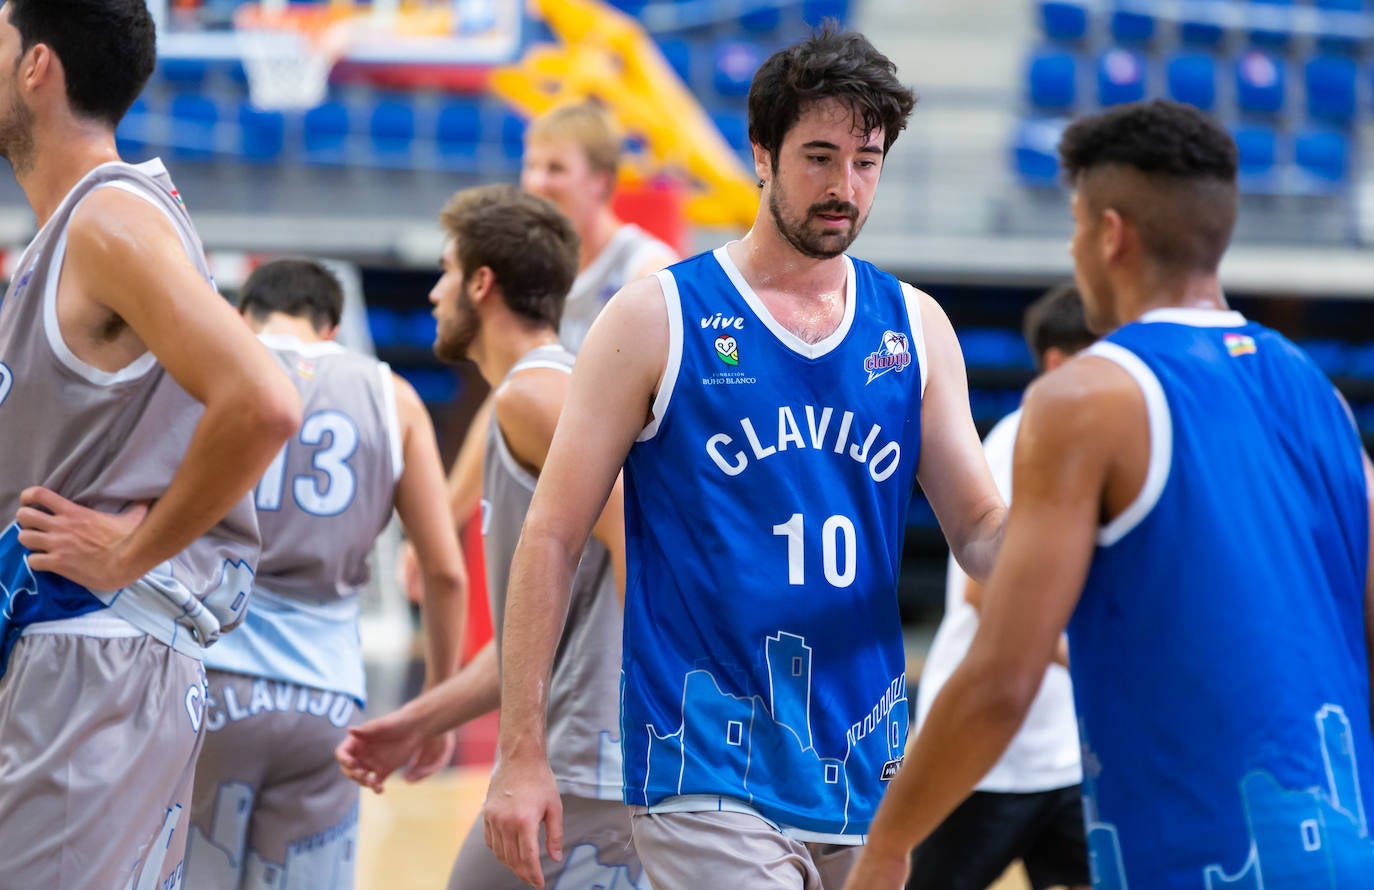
x,y
400,32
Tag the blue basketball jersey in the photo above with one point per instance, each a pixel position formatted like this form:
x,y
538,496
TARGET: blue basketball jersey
x,y
1218,651
764,516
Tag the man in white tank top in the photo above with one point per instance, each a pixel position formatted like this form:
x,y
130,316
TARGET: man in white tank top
x,y
137,412
498,306
1029,805
572,157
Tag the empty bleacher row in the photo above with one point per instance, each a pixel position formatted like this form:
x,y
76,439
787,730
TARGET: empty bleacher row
x,y
1292,81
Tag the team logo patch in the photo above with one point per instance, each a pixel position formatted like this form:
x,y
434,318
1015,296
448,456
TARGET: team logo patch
x,y
890,769
892,355
305,368
727,350
1239,344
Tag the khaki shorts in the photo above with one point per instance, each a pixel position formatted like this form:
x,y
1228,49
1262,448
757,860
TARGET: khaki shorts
x,y
98,743
693,851
271,807
598,853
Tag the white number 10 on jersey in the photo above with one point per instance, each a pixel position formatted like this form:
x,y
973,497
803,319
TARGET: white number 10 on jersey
x,y
836,532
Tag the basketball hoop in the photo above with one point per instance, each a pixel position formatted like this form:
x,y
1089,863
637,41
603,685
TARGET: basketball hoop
x,y
288,53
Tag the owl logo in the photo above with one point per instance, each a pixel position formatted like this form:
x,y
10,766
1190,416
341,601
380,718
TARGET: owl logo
x,y
727,350
893,355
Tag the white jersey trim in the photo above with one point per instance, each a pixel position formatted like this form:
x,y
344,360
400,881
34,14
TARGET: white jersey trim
x,y
93,624
918,331
145,362
1195,318
672,366
711,803
512,466
1161,441
787,338
296,344
393,421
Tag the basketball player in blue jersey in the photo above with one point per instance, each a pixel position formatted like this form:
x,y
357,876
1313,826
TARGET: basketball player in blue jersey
x,y
509,260
269,799
137,412
773,403
1191,499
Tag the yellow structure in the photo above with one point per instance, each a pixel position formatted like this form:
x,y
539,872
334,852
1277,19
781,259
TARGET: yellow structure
x,y
605,54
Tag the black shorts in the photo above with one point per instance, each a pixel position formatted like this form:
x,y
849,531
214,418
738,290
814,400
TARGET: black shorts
x,y
991,830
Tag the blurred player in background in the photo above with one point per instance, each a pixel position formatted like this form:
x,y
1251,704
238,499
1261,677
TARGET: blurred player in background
x,y
1029,806
507,265
269,797
1192,500
137,413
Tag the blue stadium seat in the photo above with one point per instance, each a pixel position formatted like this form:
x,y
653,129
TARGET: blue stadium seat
x,y
994,348
262,134
183,75
195,120
383,324
435,386
630,7
1200,22
458,132
1052,79
1360,362
391,131
762,19
418,328
1364,418
1132,28
1271,22
1259,82
1035,151
816,11
735,64
1120,77
131,136
1191,78
1063,21
1329,81
1323,154
513,135
1258,149
325,133
678,54
1329,355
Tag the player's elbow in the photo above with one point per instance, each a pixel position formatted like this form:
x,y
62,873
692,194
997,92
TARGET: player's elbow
x,y
274,411
447,584
1000,691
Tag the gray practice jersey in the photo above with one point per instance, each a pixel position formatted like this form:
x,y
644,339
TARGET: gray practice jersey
x,y
584,697
105,440
321,504
629,249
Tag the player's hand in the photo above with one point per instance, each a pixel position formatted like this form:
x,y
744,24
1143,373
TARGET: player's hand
x,y
879,869
78,543
521,797
435,753
378,748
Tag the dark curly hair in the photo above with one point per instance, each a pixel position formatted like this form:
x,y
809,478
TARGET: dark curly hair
x,y
831,64
1153,137
108,49
1167,169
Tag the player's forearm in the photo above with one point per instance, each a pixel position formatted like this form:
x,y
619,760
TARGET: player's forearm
x,y
977,550
471,692
970,723
233,443
444,614
536,610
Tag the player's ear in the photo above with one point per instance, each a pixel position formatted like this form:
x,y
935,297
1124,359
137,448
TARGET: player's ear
x,y
481,283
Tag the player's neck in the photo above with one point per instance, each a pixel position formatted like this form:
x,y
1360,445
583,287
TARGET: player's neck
x,y
59,159
772,265
504,340
281,325
597,237
1188,291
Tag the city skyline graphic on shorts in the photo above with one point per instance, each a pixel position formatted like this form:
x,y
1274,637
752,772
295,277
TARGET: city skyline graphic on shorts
x,y
733,746
1317,832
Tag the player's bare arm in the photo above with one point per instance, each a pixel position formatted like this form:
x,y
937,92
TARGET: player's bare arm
x,y
954,473
1080,449
608,403
379,747
429,526
128,285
